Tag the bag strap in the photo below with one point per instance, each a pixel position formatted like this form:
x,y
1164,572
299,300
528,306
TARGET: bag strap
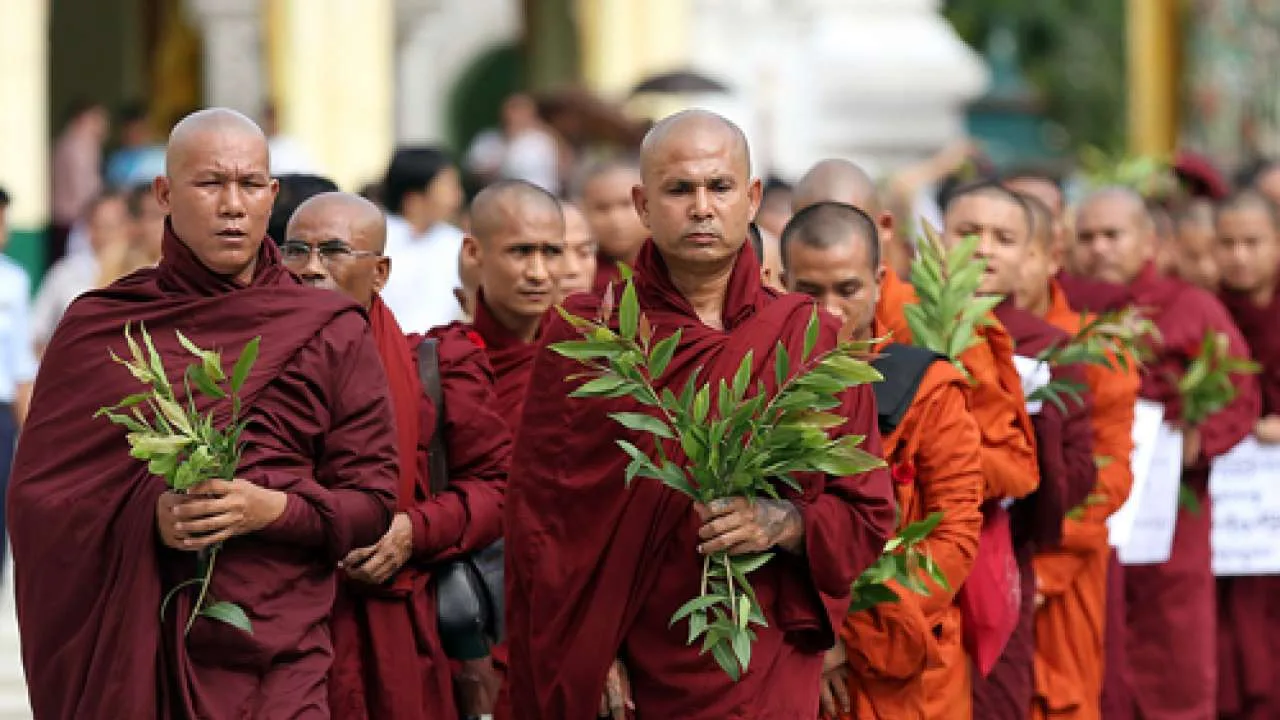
x,y
429,375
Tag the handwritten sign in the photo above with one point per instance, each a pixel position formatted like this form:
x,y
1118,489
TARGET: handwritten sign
x,y
1142,529
1244,486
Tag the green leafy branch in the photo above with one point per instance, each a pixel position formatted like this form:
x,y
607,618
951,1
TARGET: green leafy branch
x,y
738,439
901,563
949,313
1112,340
182,445
1207,386
1149,176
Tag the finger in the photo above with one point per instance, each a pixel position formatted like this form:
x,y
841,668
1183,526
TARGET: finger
x,y
193,508
208,525
842,696
356,557
212,487
359,576
721,525
826,701
741,540
204,541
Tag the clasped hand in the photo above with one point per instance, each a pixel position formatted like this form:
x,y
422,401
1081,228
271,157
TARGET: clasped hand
x,y
215,511
376,564
738,526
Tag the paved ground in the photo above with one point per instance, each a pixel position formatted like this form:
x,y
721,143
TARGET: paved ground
x,y
13,690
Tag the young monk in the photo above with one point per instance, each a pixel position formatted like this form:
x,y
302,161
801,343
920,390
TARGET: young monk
x,y
906,659
388,658
1192,251
578,273
596,568
317,477
604,192
1073,614
1172,618
1248,252
1003,224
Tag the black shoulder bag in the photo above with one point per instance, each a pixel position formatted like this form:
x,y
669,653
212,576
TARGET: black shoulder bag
x,y
469,591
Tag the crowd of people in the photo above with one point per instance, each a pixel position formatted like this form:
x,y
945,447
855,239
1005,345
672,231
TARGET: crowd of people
x,y
407,419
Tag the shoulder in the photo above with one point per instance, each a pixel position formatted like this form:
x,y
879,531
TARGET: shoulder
x,y
456,343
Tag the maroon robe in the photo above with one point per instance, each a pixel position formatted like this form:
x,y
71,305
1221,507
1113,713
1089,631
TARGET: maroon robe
x,y
1172,617
1064,449
596,568
606,272
389,663
1094,296
90,568
1248,616
511,358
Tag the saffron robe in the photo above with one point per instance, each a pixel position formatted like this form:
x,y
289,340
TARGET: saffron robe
x,y
908,657
1248,624
597,568
319,428
389,662
1070,625
1172,606
1067,475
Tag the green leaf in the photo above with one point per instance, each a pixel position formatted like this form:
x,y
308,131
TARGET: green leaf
x,y
697,626
629,312
747,564
204,383
662,353
727,661
123,420
701,404
244,364
702,602
1188,500
643,422
229,613
781,365
175,414
606,386
742,644
154,362
147,445
869,596
810,336
742,378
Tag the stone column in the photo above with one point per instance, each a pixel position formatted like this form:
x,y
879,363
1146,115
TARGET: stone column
x,y
1153,80
234,74
24,119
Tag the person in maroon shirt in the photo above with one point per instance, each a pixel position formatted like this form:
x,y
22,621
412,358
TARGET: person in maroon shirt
x,y
389,661
98,540
595,568
1248,254
604,193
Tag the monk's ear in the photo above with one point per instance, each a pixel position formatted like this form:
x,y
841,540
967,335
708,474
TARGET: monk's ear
x,y
381,272
641,202
755,194
160,188
275,186
471,249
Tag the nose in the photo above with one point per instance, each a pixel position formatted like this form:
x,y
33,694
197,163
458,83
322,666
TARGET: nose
x,y
833,306
536,270
986,246
701,204
313,268
231,201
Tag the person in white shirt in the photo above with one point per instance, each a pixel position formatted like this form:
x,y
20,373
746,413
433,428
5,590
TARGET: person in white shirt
x,y
17,362
524,149
423,194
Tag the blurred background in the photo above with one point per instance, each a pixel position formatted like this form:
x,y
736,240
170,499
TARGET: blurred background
x,y
92,86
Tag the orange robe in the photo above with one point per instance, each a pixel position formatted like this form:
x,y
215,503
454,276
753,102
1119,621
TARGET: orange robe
x,y
1072,579
908,658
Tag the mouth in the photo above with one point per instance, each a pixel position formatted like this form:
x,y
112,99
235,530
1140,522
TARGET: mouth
x,y
233,233
534,295
702,238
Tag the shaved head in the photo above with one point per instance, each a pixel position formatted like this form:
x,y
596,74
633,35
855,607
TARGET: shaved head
x,y
827,224
1247,246
501,204
193,131
363,216
1124,198
831,253
1115,236
685,125
335,241
837,181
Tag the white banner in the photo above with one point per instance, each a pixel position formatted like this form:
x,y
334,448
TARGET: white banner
x,y
1244,485
1142,529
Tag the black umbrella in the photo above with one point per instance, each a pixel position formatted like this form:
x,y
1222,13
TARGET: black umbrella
x,y
679,81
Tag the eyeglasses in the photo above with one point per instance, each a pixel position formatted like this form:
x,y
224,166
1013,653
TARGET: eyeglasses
x,y
299,253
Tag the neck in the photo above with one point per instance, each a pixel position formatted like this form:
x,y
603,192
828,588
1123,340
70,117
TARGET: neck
x,y
522,326
1038,304
1265,293
705,292
421,221
245,276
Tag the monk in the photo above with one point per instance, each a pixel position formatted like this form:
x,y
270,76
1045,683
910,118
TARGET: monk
x,y
389,661
899,660
317,477
835,180
596,568
1192,250
604,192
1004,225
578,273
1073,614
1248,253
767,250
1172,618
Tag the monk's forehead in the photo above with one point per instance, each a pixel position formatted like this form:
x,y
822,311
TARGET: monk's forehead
x,y
988,207
514,215
1114,209
359,224
219,149
704,143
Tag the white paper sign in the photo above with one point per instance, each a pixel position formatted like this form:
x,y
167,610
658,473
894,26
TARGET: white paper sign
x,y
1244,485
1034,374
1142,529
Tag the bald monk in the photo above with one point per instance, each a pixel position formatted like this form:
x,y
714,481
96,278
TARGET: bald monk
x,y
605,196
1004,225
388,658
899,660
317,477
1192,250
1172,617
765,246
1074,615
1248,252
596,568
578,273
841,181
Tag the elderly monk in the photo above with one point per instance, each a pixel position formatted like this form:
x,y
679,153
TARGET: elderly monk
x,y
1003,224
596,567
389,662
317,477
1172,619
578,271
906,659
1076,608
841,181
604,191
1248,253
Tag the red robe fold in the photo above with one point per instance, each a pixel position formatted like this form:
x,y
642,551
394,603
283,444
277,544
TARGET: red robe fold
x,y
1248,626
596,568
511,358
1092,295
83,517
1067,474
1172,615
389,663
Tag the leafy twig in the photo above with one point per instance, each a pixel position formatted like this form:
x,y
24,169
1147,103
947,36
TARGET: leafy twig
x,y
948,314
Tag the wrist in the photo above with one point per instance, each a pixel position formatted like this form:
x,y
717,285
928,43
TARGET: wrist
x,y
272,504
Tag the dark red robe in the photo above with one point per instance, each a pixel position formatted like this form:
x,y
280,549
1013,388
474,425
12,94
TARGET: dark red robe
x,y
90,569
511,358
606,272
1064,448
1095,296
1172,616
389,663
1248,620
596,568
